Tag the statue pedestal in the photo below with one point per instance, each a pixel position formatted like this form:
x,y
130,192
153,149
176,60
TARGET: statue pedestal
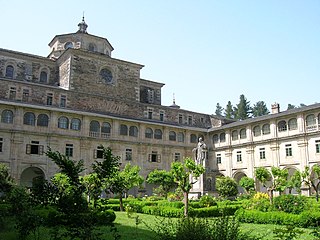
x,y
197,189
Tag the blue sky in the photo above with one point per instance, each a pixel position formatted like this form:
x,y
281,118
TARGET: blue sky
x,y
205,51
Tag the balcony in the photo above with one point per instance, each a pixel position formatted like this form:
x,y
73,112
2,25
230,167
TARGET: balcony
x,y
312,128
99,135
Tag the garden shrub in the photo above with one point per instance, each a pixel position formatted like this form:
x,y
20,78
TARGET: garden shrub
x,y
213,211
207,201
195,204
221,228
163,211
105,217
290,203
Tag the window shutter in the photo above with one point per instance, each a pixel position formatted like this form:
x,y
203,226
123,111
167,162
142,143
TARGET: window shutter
x,y
28,149
95,153
158,158
41,149
150,157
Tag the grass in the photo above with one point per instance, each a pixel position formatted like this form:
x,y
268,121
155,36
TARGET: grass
x,y
128,229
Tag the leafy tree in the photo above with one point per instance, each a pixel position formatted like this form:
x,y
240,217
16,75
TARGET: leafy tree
x,y
311,177
162,178
93,187
302,105
291,106
122,181
259,109
276,180
6,181
185,174
229,111
247,183
294,182
108,166
67,166
243,108
226,187
219,110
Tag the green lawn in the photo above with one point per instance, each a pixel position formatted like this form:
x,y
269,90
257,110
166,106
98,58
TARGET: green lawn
x,y
128,229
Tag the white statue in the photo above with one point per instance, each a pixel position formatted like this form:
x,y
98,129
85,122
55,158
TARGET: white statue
x,y
200,151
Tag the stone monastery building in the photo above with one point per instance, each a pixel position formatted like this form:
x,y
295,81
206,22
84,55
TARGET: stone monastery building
x,y
79,97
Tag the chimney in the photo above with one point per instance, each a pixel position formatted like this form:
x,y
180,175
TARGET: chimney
x,y
275,108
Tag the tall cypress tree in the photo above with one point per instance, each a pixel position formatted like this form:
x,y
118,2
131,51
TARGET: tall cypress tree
x,y
229,111
219,110
243,108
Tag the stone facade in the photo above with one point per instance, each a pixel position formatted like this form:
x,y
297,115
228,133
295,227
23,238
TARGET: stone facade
x,y
79,97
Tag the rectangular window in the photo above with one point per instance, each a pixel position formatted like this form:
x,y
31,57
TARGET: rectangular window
x,y
202,120
1,144
63,101
49,99
262,152
154,157
288,150
34,148
317,146
218,158
150,113
128,154
25,95
98,153
12,93
190,120
239,156
69,150
177,157
180,119
161,116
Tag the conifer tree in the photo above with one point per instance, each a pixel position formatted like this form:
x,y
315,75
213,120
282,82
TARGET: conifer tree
x,y
219,110
229,111
243,108
259,109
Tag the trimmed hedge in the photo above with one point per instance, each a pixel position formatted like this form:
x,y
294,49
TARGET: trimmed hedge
x,y
163,211
305,219
213,211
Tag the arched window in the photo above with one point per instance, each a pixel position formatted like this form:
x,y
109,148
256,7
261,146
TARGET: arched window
x,y
43,120
106,128
256,131
7,116
123,129
215,138
29,119
172,136
193,138
9,71
95,126
43,77
292,124
222,137
311,120
75,124
133,131
63,122
266,129
234,135
149,133
243,134
157,134
180,137
282,126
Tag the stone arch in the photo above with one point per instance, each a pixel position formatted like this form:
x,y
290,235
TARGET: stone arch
x,y
29,174
237,177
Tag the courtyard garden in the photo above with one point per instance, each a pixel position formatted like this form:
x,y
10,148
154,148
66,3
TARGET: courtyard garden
x,y
70,206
